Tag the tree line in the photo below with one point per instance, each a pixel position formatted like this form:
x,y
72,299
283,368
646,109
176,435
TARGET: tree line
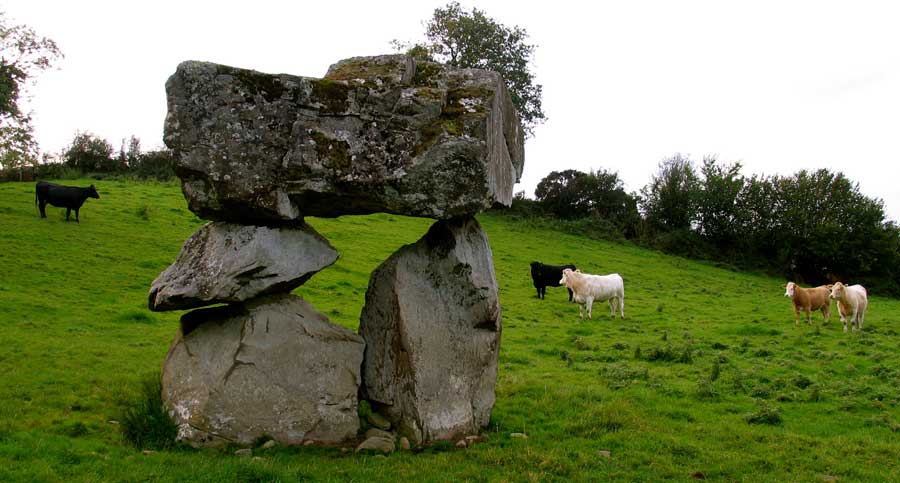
x,y
91,155
812,227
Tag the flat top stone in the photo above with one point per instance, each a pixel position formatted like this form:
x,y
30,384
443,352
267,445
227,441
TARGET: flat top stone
x,y
376,134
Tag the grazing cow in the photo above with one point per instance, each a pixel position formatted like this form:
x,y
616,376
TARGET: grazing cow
x,y
809,300
547,275
852,301
68,197
588,288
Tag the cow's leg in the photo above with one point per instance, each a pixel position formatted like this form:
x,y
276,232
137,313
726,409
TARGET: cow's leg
x,y
622,306
42,204
826,312
76,216
796,315
862,316
580,313
68,210
854,320
590,305
570,293
809,316
612,307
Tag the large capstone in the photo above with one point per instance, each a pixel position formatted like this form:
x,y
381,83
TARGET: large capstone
x,y
432,328
273,367
224,262
377,134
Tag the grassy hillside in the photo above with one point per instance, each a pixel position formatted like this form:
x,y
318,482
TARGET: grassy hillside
x,y
706,375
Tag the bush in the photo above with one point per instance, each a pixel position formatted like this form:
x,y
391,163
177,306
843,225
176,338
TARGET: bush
x,y
145,422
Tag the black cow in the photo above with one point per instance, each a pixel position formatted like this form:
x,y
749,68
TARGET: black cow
x,y
68,197
547,275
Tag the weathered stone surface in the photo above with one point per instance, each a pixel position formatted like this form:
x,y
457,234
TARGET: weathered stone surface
x,y
225,262
376,444
377,134
273,366
432,328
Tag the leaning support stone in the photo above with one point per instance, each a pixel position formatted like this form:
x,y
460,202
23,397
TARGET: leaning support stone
x,y
432,328
271,367
377,134
225,262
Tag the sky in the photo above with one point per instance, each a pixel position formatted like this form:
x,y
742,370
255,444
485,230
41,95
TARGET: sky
x,y
778,86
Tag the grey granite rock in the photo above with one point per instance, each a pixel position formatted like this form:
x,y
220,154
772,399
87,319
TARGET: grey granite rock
x,y
377,134
432,327
273,366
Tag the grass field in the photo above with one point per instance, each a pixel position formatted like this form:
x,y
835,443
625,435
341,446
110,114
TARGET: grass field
x,y
706,376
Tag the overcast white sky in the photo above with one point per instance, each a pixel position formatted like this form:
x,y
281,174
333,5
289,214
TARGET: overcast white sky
x,y
778,85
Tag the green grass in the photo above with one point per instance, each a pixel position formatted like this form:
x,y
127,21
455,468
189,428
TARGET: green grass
x,y
707,373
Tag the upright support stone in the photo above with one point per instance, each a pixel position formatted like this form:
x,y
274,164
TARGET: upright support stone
x,y
273,366
432,327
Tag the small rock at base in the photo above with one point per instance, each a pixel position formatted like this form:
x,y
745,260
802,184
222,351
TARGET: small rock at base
x,y
462,444
345,450
373,432
309,442
404,443
269,444
112,421
518,435
148,452
475,438
243,452
378,421
376,444
257,458
604,453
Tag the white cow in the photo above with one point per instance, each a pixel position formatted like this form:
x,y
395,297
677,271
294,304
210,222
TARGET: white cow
x,y
588,288
852,300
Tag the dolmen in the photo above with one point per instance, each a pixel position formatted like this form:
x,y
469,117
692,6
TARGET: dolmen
x,y
256,153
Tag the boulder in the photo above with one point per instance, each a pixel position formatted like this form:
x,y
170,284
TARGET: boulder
x,y
432,326
377,134
270,367
224,262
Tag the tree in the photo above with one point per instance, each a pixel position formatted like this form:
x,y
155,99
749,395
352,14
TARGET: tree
x,y
23,54
717,201
669,202
90,153
464,39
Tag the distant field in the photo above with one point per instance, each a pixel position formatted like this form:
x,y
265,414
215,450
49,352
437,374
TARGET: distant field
x,y
706,376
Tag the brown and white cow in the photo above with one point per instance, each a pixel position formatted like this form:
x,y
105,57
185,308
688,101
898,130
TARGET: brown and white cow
x,y
853,300
809,300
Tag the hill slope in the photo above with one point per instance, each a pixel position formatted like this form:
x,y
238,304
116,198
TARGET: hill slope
x,y
668,391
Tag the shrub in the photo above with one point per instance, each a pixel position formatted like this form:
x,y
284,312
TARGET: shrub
x,y
145,422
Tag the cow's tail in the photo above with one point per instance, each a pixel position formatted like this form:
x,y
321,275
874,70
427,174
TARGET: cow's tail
x,y
35,197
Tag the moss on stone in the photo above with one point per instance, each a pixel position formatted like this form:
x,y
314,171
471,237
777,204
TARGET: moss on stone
x,y
256,83
364,69
333,95
425,72
335,151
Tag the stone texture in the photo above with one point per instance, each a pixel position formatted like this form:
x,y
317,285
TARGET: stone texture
x,y
432,328
377,134
224,262
273,366
376,444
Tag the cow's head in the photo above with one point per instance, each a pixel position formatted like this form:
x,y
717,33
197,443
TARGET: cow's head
x,y
92,192
837,291
565,275
789,289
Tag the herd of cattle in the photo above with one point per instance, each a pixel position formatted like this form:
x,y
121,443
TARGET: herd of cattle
x,y
585,289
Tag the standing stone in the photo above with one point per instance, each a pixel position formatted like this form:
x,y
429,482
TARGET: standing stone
x,y
377,134
273,366
432,328
224,262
